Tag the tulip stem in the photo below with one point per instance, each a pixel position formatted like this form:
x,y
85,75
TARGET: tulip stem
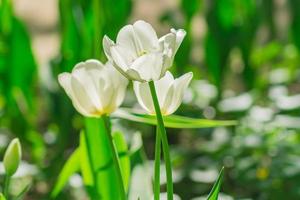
x,y
6,186
157,165
115,156
164,139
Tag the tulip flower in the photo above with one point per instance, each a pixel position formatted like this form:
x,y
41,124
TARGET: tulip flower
x,y
139,54
12,157
169,93
94,88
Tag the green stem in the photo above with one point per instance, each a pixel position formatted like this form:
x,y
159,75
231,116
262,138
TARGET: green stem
x,y
114,156
157,165
164,139
6,186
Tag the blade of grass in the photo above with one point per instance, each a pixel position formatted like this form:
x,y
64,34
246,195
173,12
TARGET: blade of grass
x,y
214,193
71,166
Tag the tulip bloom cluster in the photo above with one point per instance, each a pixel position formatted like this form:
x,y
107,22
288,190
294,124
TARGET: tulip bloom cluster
x,y
138,54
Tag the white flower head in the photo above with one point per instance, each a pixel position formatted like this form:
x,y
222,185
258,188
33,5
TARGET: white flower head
x,y
139,54
94,88
169,91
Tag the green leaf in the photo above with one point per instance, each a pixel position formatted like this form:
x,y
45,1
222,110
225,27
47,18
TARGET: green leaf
x,y
84,162
71,166
214,193
172,121
98,149
2,197
124,159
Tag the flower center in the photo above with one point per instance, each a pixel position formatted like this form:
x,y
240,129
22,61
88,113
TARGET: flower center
x,y
97,113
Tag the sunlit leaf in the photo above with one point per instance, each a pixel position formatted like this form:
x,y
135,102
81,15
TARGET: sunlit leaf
x,y
100,159
172,121
71,166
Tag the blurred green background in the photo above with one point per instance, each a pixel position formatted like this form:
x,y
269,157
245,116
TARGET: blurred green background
x,y
245,58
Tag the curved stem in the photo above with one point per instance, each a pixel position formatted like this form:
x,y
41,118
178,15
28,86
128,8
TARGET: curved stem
x,y
164,139
6,186
114,156
157,165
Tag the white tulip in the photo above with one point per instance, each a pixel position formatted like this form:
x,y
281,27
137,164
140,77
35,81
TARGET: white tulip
x,y
139,54
169,93
94,88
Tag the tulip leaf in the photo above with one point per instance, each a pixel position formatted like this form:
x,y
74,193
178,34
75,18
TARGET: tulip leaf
x,y
71,166
214,193
85,166
172,121
98,151
124,159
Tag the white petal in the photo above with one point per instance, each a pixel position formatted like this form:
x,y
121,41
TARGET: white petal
x,y
120,57
180,86
64,80
127,39
119,84
91,64
167,40
132,74
120,95
148,66
169,45
143,95
168,100
88,80
107,95
180,34
147,35
107,43
81,99
118,78
163,85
